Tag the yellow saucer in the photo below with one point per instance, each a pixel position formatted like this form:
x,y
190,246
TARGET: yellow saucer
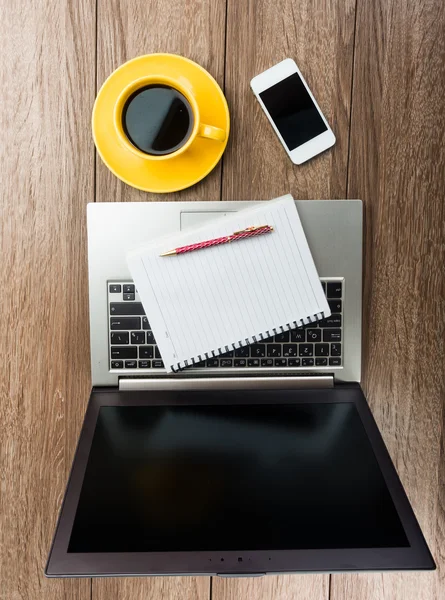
x,y
178,172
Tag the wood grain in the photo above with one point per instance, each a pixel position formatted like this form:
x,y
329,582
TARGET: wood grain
x,y
283,587
130,28
319,36
157,588
47,88
397,165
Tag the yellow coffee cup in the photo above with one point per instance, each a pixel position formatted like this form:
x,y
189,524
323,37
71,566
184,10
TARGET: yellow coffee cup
x,y
157,118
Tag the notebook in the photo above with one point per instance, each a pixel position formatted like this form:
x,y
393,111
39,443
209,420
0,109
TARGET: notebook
x,y
207,302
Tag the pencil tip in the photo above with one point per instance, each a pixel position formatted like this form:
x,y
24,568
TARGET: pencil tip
x,y
169,253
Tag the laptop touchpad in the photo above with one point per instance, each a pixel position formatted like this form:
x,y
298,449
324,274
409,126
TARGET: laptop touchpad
x,y
192,219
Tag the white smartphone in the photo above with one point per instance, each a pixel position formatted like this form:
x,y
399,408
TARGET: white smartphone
x,y
293,112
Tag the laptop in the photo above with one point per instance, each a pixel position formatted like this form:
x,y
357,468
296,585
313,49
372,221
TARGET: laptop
x,y
265,460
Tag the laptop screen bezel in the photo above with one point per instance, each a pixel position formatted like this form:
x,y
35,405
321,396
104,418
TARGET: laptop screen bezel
x,y
62,563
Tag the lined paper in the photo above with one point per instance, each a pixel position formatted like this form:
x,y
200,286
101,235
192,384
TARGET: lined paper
x,y
206,302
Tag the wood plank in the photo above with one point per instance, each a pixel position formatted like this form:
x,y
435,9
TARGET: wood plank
x,y
283,587
261,33
129,28
397,165
156,588
47,178
126,29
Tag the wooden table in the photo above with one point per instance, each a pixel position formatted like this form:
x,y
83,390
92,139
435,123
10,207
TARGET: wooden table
x,y
377,68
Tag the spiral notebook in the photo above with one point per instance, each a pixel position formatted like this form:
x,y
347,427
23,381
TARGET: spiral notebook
x,y
207,302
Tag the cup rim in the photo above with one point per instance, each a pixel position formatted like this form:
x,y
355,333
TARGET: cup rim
x,y
133,87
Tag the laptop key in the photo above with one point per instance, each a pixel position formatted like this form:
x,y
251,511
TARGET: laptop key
x,y
117,364
257,350
131,364
298,335
128,297
150,338
240,362
313,335
321,362
145,351
335,306
137,337
267,362
125,323
145,323
280,362
118,352
212,362
273,350
306,350
243,352
332,321
158,364
294,362
144,364
126,308
120,337
253,362
321,349
335,362
282,337
129,288
335,349
226,362
334,289
332,335
114,289
307,362
290,350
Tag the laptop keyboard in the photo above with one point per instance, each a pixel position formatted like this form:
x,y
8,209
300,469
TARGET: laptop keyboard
x,y
133,345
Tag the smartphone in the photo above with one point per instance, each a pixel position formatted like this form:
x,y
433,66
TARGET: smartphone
x,y
293,112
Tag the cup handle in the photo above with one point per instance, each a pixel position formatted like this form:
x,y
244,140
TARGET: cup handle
x,y
212,133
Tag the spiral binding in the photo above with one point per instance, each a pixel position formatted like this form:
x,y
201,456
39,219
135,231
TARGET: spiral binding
x,y
252,340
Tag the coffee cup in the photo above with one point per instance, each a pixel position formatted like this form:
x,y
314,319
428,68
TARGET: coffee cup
x,y
158,118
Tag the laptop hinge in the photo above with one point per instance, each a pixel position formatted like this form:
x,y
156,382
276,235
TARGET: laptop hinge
x,y
226,383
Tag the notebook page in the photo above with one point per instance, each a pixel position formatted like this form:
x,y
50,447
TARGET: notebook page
x,y
206,302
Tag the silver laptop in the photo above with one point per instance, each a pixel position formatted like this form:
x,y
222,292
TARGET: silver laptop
x,y
123,348
264,460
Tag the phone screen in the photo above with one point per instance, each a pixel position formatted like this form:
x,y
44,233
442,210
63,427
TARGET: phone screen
x,y
293,111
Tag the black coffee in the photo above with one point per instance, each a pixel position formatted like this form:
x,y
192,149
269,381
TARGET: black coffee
x,y
157,119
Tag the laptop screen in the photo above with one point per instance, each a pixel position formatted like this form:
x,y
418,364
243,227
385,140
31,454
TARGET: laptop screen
x,y
238,477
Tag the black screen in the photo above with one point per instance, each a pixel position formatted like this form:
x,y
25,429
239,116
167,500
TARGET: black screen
x,y
293,111
243,477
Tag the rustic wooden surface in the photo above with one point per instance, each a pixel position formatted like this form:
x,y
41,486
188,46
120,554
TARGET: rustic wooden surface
x,y
378,71
397,165
47,174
